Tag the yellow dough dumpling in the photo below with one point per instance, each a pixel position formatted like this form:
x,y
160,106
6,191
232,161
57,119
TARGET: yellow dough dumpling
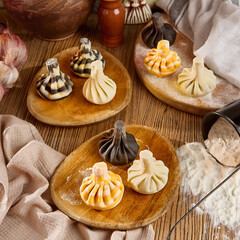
x,y
103,189
198,80
162,61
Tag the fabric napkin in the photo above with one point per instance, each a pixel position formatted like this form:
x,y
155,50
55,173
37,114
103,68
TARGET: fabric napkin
x,y
214,28
26,208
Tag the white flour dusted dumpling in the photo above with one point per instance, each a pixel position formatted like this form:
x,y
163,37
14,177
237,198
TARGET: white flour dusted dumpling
x,y
147,175
99,88
198,80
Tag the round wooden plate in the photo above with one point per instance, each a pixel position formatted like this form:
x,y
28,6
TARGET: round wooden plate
x,y
75,110
135,209
166,88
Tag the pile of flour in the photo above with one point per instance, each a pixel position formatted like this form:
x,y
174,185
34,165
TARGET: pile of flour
x,y
201,173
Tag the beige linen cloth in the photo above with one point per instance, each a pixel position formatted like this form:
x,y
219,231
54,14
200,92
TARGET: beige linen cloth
x,y
214,28
26,208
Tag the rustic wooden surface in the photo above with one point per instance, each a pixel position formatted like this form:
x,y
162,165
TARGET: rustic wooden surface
x,y
144,209
75,110
144,109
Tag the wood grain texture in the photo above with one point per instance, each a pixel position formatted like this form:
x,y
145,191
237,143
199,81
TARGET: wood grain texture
x,y
166,88
144,109
75,110
135,209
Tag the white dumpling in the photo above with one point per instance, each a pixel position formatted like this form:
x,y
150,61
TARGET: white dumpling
x,y
198,80
99,88
147,175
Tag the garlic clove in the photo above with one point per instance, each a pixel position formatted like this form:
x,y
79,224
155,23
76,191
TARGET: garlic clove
x,y
12,48
1,91
8,76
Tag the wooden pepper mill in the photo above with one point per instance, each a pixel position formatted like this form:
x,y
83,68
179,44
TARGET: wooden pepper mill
x,y
111,14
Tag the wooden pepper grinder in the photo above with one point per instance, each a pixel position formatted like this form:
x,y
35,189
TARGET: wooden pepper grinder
x,y
111,15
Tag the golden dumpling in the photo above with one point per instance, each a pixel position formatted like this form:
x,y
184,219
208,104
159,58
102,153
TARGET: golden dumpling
x,y
198,80
162,61
103,189
147,175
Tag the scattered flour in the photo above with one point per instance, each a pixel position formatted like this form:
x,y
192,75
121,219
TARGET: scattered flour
x,y
224,143
201,173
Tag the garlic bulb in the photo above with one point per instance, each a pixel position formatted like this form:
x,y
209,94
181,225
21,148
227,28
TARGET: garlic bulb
x,y
1,91
8,75
13,55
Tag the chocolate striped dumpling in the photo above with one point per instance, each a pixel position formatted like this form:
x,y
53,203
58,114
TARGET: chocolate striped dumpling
x,y
55,85
103,189
137,11
81,61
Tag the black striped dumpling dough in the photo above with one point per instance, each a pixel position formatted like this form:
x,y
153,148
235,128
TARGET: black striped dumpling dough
x,y
117,146
82,59
56,84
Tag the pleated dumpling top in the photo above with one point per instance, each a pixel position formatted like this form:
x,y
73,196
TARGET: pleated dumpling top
x,y
55,85
162,61
198,80
147,175
99,88
103,189
81,61
157,31
117,146
137,11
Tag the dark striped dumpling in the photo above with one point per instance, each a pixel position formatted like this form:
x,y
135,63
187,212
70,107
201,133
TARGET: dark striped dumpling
x,y
55,85
137,11
82,59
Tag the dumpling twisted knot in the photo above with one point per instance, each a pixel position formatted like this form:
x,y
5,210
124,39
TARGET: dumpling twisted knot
x,y
198,80
147,175
162,61
81,61
103,189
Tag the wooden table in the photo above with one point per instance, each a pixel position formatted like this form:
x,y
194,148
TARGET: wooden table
x,y
179,127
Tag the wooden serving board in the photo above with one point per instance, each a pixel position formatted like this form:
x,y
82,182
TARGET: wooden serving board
x,y
75,110
166,88
135,209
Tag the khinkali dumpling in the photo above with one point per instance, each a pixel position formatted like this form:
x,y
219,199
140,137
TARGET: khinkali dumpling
x,y
137,11
147,175
158,31
198,80
117,146
103,189
56,84
99,88
82,59
162,61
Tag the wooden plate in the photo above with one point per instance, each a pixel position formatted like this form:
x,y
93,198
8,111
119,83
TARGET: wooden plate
x,y
135,209
166,89
75,110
